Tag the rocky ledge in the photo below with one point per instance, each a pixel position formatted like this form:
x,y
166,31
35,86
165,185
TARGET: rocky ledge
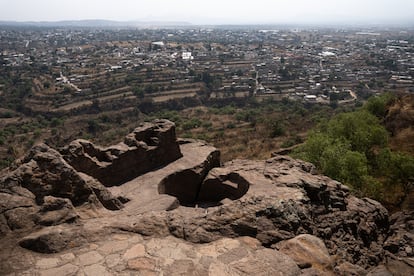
x,y
158,205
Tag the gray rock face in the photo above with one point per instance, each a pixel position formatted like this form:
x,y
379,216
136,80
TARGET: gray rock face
x,y
149,146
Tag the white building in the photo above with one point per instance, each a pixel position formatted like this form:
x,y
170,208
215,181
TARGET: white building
x,y
187,56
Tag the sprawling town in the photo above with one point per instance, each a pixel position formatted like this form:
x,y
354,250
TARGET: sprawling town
x,y
76,68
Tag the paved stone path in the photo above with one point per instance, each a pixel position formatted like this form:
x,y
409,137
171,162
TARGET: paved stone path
x,y
132,254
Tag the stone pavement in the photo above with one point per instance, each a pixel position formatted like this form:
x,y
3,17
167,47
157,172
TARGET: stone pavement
x,y
133,254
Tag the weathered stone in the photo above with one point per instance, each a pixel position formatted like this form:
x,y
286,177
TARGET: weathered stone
x,y
102,193
380,270
65,270
10,201
284,200
143,263
401,238
47,263
68,257
96,269
113,246
220,185
399,265
218,268
184,267
346,268
266,262
233,255
16,211
112,260
307,249
44,172
176,193
56,211
19,218
53,239
185,184
149,146
136,251
90,258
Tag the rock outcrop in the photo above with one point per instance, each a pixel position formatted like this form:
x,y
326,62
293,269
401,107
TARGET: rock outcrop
x,y
149,146
276,200
154,204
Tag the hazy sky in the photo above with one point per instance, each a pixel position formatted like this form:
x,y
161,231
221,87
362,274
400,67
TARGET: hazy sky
x,y
213,11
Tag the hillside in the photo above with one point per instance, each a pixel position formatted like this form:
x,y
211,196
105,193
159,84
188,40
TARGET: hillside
x,y
399,121
154,204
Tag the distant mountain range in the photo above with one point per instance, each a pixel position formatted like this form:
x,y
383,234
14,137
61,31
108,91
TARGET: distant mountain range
x,y
93,23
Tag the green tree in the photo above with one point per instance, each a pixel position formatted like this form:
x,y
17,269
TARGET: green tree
x,y
139,92
345,147
361,129
402,171
378,105
314,147
354,168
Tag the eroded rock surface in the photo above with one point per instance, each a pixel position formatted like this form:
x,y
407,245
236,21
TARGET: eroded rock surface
x,y
149,146
156,205
278,200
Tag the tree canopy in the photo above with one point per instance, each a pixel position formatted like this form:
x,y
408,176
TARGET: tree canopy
x,y
353,148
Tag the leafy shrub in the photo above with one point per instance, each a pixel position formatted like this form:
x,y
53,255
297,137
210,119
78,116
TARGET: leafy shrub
x,y
353,148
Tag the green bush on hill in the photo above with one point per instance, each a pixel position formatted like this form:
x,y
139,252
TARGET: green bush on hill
x,y
353,148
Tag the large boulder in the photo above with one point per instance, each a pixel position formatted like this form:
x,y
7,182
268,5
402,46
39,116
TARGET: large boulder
x,y
17,209
148,147
44,172
42,188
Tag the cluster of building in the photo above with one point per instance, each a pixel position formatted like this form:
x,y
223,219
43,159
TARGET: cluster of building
x,y
315,65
